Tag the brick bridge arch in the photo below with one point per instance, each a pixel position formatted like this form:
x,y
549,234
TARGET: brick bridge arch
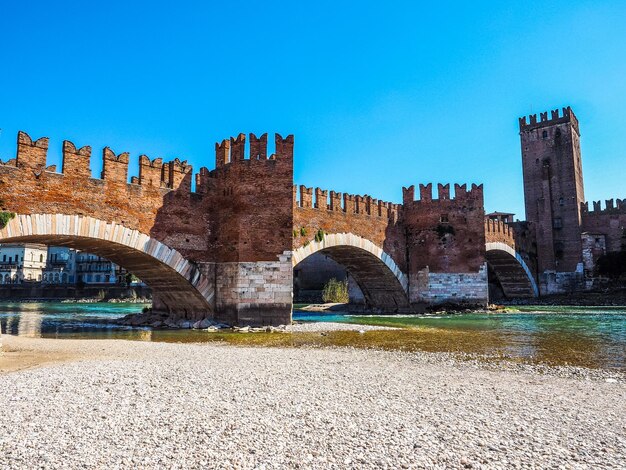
x,y
501,254
382,282
181,287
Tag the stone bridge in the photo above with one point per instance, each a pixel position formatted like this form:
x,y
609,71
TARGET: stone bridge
x,y
226,249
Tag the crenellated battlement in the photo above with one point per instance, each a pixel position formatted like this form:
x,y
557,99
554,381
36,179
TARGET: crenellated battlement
x,y
443,193
115,167
31,154
232,150
322,199
611,206
152,173
76,164
493,226
179,175
556,117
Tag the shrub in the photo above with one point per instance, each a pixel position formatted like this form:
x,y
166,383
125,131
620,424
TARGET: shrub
x,y
303,231
319,236
336,291
5,217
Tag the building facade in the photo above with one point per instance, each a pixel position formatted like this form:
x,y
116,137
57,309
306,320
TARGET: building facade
x,y
35,263
22,263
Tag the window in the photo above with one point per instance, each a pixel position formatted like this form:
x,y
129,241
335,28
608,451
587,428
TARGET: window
x,y
561,202
545,134
557,223
444,218
41,258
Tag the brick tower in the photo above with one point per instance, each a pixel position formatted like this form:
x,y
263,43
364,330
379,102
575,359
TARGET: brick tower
x,y
553,193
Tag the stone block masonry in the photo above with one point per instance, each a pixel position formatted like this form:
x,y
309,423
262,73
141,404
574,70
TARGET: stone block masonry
x,y
253,293
463,289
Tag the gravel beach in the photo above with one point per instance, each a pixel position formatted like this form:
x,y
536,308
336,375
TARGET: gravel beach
x,y
121,404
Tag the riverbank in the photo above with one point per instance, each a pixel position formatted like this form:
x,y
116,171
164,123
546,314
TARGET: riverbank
x,y
615,297
142,404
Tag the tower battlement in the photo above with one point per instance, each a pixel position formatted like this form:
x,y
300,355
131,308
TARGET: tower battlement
x,y
443,193
232,151
556,117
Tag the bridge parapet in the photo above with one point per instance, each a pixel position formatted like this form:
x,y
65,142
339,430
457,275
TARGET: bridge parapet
x,y
499,231
76,165
316,198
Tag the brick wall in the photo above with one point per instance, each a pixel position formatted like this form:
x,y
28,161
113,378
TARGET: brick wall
x,y
446,234
333,212
609,221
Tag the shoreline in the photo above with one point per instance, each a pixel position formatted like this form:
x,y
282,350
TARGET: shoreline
x,y
19,353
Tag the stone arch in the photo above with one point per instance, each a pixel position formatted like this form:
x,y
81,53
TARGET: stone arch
x,y
178,285
511,270
382,282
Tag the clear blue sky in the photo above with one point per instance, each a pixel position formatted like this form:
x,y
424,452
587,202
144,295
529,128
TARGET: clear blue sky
x,y
378,94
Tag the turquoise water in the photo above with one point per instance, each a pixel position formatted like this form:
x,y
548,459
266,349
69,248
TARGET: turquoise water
x,y
599,323
591,336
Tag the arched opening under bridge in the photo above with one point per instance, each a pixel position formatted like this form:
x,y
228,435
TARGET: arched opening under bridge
x,y
178,287
382,284
508,271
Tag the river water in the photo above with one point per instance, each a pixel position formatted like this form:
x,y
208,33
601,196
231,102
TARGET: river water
x,y
583,336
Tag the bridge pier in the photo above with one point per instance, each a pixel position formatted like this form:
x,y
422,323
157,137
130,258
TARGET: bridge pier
x,y
252,293
462,289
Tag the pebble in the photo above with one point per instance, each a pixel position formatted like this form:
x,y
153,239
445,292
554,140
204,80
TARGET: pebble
x,y
164,405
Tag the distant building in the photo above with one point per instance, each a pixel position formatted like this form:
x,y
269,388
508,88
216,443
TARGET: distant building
x,y
61,266
26,262
22,263
93,269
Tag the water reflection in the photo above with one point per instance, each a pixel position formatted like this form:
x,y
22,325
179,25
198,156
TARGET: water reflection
x,y
29,324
